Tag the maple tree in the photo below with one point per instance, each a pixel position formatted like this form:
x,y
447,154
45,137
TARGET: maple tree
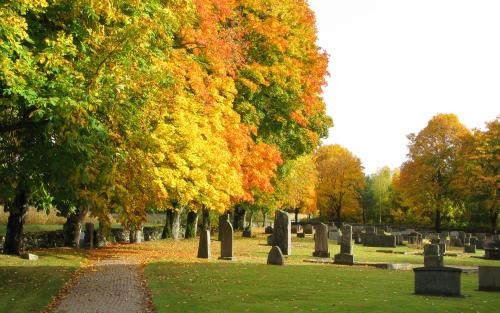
x,y
134,106
340,181
426,177
478,178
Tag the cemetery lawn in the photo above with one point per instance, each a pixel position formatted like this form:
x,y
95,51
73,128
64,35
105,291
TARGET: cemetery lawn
x,y
28,286
181,283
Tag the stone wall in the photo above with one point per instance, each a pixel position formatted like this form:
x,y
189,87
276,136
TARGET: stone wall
x,y
52,239
45,239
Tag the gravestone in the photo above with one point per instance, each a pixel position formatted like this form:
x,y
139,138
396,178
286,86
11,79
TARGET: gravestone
x,y
301,235
357,238
204,245
222,218
29,256
308,229
226,242
461,235
275,256
489,278
434,278
268,230
443,281
89,235
282,232
296,228
442,248
345,256
492,250
269,240
321,241
432,256
334,234
471,248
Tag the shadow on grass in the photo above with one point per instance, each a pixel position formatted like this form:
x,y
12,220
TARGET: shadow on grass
x,y
30,289
238,287
28,286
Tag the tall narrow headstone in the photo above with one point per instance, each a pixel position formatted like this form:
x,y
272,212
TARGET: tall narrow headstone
x,y
345,256
222,218
321,241
204,245
282,232
226,242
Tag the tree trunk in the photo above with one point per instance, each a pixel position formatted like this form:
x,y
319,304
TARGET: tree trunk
x,y
73,227
250,224
239,218
337,213
176,224
296,215
15,224
192,220
438,221
206,219
494,222
169,221
264,218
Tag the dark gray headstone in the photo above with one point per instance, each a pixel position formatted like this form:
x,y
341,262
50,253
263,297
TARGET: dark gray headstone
x,y
439,281
282,232
204,245
308,229
222,218
471,248
345,256
226,243
275,256
321,241
489,278
432,256
268,230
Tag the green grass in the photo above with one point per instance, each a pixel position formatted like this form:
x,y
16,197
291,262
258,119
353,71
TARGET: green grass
x,y
28,286
248,285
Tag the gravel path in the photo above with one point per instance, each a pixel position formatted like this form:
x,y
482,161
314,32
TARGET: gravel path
x,y
110,285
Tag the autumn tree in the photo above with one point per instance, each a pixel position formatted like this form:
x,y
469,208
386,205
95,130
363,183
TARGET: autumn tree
x,y
296,186
279,86
478,178
340,181
426,177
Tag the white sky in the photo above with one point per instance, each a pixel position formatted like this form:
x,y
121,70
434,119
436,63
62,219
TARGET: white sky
x,y
396,63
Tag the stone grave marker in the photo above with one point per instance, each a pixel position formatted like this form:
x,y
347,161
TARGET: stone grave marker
x,y
29,256
226,242
275,256
321,241
204,245
432,256
282,232
222,218
489,278
345,256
